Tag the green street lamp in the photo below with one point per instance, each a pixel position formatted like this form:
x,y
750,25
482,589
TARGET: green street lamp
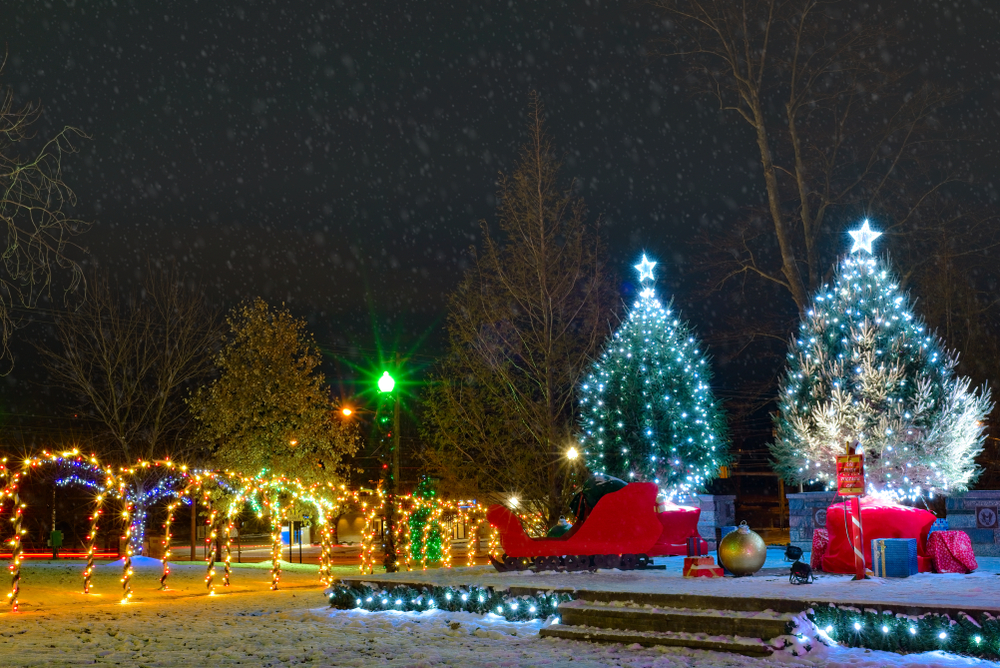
x,y
386,383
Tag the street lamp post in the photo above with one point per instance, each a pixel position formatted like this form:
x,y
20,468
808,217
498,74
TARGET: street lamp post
x,y
386,387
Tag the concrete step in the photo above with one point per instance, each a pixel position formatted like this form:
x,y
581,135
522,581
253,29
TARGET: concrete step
x,y
745,646
696,601
629,616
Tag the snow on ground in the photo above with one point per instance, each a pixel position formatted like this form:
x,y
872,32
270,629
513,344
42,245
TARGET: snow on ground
x,y
980,589
251,626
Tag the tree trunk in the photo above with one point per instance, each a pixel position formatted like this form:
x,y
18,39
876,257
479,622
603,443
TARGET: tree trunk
x,y
789,261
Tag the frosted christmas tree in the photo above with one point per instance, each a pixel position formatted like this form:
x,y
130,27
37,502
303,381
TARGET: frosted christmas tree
x,y
864,368
647,408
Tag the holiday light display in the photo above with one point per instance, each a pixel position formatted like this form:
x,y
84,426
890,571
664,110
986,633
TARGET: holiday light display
x,y
277,518
273,495
863,368
883,630
88,572
127,561
16,547
439,512
230,526
479,600
423,527
647,408
210,534
167,542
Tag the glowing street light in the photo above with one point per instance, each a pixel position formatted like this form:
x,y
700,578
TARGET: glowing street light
x,y
572,454
386,383
346,411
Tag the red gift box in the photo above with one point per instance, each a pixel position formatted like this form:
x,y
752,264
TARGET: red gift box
x,y
701,567
821,540
951,552
696,546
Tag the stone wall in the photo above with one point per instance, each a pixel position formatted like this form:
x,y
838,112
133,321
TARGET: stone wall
x,y
717,510
807,511
976,513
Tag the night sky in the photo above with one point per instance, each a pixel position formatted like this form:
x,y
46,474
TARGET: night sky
x,y
338,155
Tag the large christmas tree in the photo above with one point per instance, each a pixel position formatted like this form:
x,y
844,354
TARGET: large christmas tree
x,y
647,408
863,368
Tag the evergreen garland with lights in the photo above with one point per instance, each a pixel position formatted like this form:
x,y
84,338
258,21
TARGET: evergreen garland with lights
x,y
864,368
478,600
883,630
647,407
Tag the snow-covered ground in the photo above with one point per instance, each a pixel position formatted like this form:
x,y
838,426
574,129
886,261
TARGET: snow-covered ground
x,y
980,589
251,626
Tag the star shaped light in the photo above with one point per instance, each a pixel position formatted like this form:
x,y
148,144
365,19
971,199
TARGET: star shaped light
x,y
863,238
645,269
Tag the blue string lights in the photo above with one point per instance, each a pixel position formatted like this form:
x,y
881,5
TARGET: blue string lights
x,y
647,408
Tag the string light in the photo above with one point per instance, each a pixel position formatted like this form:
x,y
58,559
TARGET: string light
x,y
210,534
864,368
261,493
450,599
127,561
647,408
882,630
92,541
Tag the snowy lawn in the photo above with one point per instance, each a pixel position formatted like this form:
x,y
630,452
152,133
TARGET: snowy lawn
x,y
980,589
251,626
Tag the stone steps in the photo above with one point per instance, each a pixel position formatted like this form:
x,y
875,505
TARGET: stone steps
x,y
760,624
744,646
676,620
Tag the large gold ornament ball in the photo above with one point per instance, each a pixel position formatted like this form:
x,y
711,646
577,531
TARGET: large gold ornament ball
x,y
743,551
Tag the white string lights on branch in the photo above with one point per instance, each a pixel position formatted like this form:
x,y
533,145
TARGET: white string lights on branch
x,y
863,367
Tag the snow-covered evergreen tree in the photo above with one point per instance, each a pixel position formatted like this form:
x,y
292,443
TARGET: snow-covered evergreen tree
x,y
647,408
864,368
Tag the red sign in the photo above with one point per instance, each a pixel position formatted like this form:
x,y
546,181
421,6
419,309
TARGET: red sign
x,y
851,475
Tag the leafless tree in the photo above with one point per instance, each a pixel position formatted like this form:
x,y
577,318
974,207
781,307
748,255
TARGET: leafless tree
x,y
129,359
522,326
842,129
35,212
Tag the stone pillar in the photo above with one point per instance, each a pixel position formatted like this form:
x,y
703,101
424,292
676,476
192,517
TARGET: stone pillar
x,y
807,511
976,513
717,510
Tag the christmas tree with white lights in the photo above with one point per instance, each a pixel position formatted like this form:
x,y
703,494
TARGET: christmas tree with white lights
x,y
647,408
863,368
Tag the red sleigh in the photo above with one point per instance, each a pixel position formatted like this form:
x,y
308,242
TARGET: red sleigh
x,y
622,531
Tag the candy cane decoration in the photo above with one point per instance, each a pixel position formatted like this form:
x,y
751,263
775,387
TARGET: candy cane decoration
x,y
127,561
368,541
16,547
167,544
326,553
210,535
857,538
276,517
91,542
229,546
473,542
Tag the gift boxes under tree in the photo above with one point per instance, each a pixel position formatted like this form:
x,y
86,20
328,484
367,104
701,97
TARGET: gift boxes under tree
x,y
701,567
894,557
952,552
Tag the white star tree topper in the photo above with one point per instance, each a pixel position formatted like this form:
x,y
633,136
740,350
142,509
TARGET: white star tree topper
x,y
863,238
645,269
